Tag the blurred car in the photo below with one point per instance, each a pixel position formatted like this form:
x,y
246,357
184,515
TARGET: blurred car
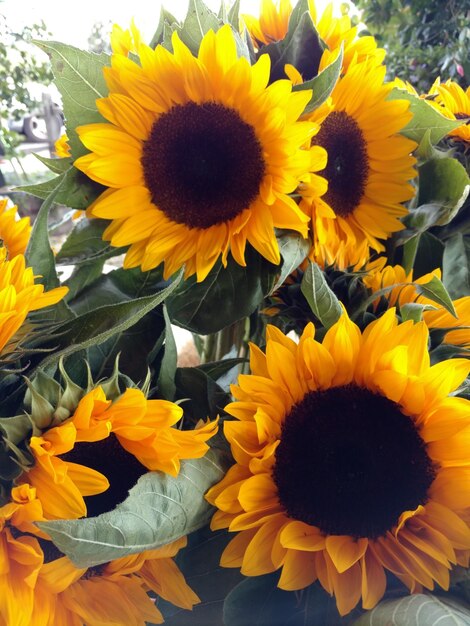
x,y
33,125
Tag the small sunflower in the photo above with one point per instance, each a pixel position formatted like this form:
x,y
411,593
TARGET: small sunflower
x,y
455,104
368,171
351,460
199,156
136,434
458,328
113,593
272,24
19,293
61,147
14,231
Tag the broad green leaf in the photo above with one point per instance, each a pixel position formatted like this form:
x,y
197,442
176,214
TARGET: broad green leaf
x,y
323,84
82,277
321,299
205,398
58,166
455,266
435,291
75,189
418,610
158,510
425,118
234,15
165,18
225,296
445,183
100,324
79,78
258,601
198,21
166,378
200,563
85,245
428,255
294,250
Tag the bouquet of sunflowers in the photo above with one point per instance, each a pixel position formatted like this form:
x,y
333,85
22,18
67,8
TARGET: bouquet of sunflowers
x,y
260,184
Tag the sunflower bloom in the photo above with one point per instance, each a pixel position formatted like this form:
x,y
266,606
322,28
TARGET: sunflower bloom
x,y
368,171
455,104
272,24
19,295
458,333
61,147
199,156
112,593
351,459
14,231
135,433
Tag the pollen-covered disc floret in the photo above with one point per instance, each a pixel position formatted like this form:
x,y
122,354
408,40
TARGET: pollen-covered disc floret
x,y
351,459
199,155
368,169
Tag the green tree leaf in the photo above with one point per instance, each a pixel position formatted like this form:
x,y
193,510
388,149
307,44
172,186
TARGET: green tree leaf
x,y
321,299
80,80
425,118
158,510
455,265
417,610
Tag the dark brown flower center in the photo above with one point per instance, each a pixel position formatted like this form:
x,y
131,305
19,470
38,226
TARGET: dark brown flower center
x,y
202,164
347,169
120,467
350,462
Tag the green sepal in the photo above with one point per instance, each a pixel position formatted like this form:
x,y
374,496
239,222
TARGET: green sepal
x,y
435,290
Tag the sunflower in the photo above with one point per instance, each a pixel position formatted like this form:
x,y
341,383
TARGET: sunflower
x,y
369,166
455,104
273,23
199,156
112,593
21,557
458,328
135,433
61,147
351,459
19,294
14,231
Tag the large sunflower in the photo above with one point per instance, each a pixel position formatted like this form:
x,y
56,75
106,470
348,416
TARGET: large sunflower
x,y
369,166
14,231
199,155
19,294
351,459
437,317
104,447
113,593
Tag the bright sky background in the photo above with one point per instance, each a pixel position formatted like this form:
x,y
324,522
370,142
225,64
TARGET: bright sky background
x,y
72,21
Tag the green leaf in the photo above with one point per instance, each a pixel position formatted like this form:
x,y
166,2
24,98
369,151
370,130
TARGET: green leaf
x,y
412,311
234,15
323,84
425,118
166,18
158,510
58,166
321,299
225,296
79,78
455,266
200,563
166,378
435,291
445,183
417,610
258,601
85,245
205,398
75,189
83,277
294,250
100,324
199,20
428,255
